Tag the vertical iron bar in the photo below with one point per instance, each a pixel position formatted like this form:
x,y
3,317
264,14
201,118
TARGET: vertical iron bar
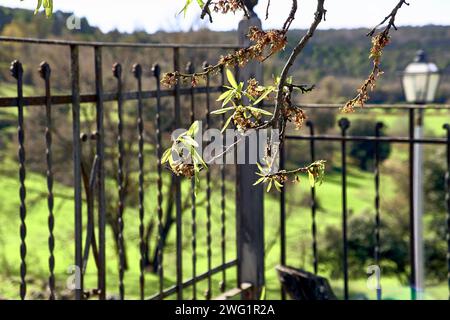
x,y
75,78
344,124
283,218
312,149
137,71
223,284
117,72
208,292
157,74
447,199
190,69
411,205
101,174
378,128
45,72
179,235
17,73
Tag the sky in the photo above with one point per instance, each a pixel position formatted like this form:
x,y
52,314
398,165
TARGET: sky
x,y
154,15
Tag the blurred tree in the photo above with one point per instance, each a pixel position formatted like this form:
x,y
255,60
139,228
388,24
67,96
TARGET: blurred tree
x,y
364,151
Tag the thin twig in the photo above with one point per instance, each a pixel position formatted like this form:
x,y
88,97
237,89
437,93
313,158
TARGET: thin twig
x,y
231,146
391,17
245,9
267,9
291,17
206,11
304,88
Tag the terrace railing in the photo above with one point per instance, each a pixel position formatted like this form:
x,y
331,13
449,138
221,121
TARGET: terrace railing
x,y
95,199
414,114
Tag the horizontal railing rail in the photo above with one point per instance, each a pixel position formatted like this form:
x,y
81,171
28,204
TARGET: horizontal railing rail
x,y
116,44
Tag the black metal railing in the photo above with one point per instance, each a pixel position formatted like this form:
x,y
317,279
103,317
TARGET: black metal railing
x,y
96,198
343,139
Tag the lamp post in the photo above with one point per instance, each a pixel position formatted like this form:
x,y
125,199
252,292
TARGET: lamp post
x,y
420,83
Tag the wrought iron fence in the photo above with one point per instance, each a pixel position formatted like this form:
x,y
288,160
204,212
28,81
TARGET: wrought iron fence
x,y
413,114
95,198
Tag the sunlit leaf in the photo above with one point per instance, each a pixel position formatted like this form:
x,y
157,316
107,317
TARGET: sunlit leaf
x,y
227,123
222,111
312,180
263,294
278,185
262,111
259,181
187,140
229,98
186,6
224,95
166,156
39,5
269,186
231,79
263,96
193,129
198,158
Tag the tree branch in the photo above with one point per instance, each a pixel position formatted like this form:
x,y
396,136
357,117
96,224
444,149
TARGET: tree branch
x,y
319,16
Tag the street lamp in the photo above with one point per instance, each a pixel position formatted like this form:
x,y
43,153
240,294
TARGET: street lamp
x,y
421,80
420,83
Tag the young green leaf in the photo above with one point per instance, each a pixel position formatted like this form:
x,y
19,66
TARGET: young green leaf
x,y
260,180
263,294
227,123
224,95
231,79
197,158
39,5
312,180
221,111
232,94
278,185
167,154
188,141
263,96
258,110
186,6
193,129
269,187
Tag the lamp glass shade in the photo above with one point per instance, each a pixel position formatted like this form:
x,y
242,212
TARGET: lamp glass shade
x,y
420,82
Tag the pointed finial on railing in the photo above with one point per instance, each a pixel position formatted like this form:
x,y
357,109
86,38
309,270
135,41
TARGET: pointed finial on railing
x,y
16,69
137,70
156,70
205,65
117,70
344,124
446,127
45,70
190,68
